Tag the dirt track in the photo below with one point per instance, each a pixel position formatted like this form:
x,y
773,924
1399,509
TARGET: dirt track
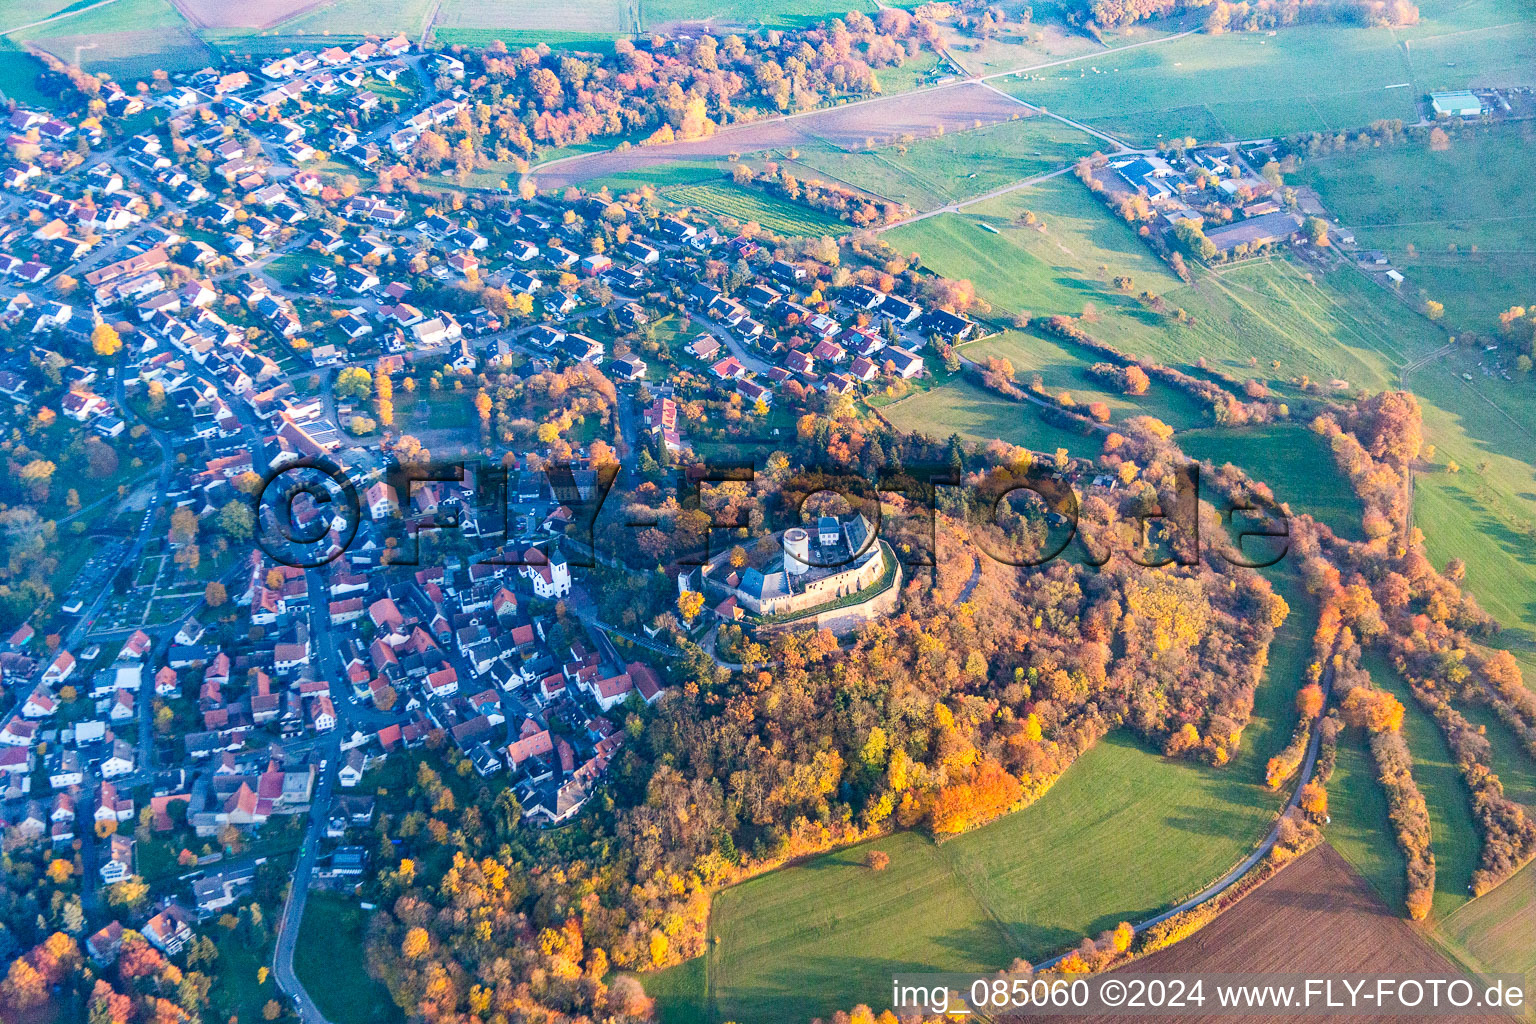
x,y
952,107
246,14
1318,916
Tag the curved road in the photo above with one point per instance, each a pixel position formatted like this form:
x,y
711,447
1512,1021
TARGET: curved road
x,y
1232,877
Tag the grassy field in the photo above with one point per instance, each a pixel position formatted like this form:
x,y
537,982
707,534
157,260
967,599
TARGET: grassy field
x,y
1452,830
1123,833
21,12
1514,767
1497,931
1358,828
777,215
1244,319
1293,461
129,38
961,407
661,176
590,23
1241,85
331,934
1046,39
357,17
1460,43
1246,85
1273,320
18,75
1455,221
1485,513
1062,369
931,172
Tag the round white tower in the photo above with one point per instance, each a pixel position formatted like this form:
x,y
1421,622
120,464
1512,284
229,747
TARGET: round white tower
x,y
797,551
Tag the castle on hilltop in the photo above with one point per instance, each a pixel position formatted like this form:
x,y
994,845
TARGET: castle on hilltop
x,y
840,557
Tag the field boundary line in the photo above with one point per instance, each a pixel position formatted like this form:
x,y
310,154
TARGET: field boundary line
x,y
809,170
883,97
428,23
1375,338
67,14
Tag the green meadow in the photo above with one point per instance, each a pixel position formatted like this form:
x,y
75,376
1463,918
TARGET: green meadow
x,y
746,204
1455,221
1295,463
929,172
1269,319
1252,85
1062,369
961,407
1124,833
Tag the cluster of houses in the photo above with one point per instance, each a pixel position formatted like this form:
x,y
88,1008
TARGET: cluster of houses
x,y
358,657
1173,185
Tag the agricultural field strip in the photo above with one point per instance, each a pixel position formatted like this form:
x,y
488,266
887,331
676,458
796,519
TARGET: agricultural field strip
x,y
959,205
901,98
1352,325
1505,413
60,16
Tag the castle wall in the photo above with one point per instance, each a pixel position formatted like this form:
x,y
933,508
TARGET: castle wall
x,y
829,588
842,621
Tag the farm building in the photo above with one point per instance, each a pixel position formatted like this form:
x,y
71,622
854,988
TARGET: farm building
x,y
1456,104
1255,231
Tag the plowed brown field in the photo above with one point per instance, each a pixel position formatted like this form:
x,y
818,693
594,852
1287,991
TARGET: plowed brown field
x,y
962,105
1318,916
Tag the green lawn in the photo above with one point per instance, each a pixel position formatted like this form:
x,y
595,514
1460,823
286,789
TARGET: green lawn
x,y
331,934
106,19
18,75
1456,222
1293,461
1485,514
826,935
929,172
596,22
21,12
361,17
238,993
128,38
1071,259
1048,38
1124,833
1240,85
1245,85
1514,767
1360,829
1458,43
746,204
677,992
658,176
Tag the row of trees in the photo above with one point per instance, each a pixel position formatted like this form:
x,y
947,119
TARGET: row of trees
x,y
845,203
1261,14
683,89
1134,376
1424,622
